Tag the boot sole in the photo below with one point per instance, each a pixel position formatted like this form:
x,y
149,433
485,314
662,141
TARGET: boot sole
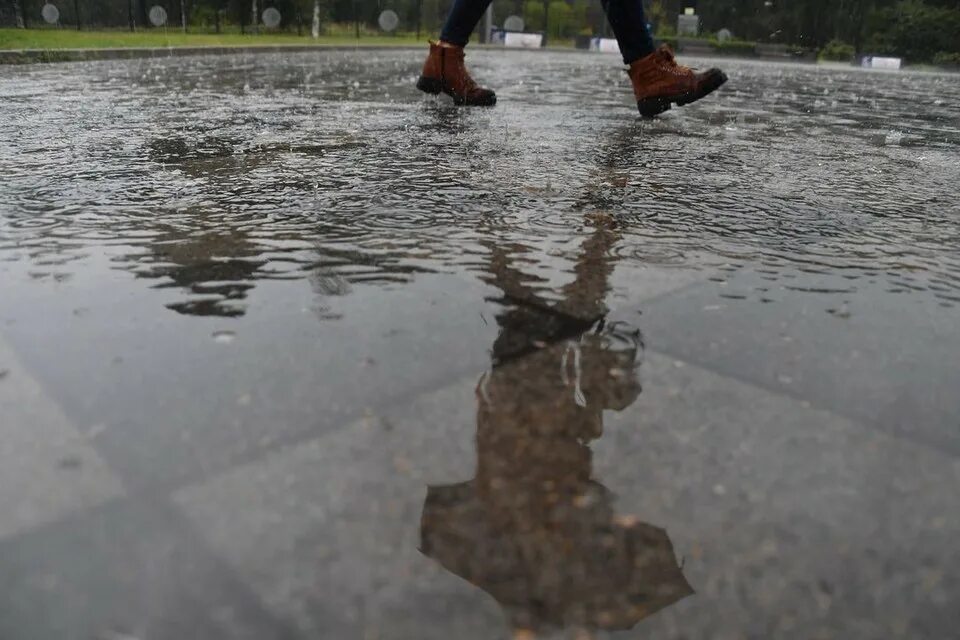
x,y
435,87
652,107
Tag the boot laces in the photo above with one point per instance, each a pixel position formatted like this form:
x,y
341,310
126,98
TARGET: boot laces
x,y
670,62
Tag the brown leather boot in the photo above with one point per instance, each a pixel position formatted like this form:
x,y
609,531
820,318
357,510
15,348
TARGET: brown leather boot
x,y
444,71
659,81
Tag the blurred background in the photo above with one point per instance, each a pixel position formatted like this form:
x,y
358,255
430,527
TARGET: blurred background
x,y
919,31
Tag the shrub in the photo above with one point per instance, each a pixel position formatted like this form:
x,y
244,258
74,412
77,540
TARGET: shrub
x,y
670,41
837,50
914,30
533,15
947,59
560,19
735,47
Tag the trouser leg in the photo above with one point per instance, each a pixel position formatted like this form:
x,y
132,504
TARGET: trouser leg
x,y
462,20
629,24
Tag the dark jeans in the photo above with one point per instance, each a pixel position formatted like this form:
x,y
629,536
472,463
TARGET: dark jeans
x,y
625,16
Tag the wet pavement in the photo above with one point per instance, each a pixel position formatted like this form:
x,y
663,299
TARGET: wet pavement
x,y
289,351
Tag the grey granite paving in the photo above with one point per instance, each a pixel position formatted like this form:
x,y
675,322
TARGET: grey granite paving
x,y
48,467
290,352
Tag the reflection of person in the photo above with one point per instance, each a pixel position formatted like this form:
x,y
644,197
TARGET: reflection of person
x,y
658,81
533,528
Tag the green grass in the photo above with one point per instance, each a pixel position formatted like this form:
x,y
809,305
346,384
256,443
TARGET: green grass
x,y
72,39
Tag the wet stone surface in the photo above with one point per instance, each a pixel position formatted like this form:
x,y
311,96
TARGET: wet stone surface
x,y
289,351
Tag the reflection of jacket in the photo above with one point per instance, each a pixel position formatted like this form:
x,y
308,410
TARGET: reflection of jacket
x,y
537,414
533,529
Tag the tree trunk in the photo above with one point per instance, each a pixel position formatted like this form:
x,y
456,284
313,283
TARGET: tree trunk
x,y
859,19
130,15
315,27
356,19
216,20
183,15
76,11
18,14
546,20
256,17
419,17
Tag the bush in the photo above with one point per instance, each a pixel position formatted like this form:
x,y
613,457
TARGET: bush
x,y
666,31
735,47
533,15
560,19
670,41
915,31
946,59
838,51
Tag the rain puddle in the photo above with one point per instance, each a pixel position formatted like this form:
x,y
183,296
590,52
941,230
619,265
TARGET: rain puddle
x,y
510,330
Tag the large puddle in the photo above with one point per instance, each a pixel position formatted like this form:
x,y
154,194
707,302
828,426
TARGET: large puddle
x,y
213,265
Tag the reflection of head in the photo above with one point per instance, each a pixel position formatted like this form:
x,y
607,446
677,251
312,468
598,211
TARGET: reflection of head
x,y
216,268
533,528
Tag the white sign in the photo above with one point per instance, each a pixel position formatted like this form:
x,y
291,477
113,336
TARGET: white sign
x,y
50,13
388,20
513,23
523,40
688,25
878,62
271,18
157,15
604,45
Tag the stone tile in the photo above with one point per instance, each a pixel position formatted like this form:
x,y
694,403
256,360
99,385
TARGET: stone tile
x,y
48,469
124,570
884,359
792,522
182,405
327,532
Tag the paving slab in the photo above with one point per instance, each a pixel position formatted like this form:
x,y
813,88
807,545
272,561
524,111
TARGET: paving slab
x,y
48,467
839,345
127,569
382,353
789,521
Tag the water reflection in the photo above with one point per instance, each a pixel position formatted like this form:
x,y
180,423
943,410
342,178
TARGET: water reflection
x,y
218,268
533,528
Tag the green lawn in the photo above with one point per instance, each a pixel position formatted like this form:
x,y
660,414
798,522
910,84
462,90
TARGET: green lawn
x,y
72,39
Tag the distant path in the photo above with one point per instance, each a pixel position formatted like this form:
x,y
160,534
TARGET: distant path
x,y
30,56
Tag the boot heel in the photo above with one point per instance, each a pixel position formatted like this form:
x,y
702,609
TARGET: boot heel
x,y
651,107
430,85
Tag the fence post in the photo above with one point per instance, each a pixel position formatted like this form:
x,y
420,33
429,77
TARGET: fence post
x,y
419,17
487,23
356,19
546,21
18,15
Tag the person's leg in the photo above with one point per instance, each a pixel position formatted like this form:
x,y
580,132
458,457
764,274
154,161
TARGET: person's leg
x,y
445,71
462,20
630,26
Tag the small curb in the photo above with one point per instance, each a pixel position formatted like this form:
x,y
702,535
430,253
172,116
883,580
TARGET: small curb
x,y
33,56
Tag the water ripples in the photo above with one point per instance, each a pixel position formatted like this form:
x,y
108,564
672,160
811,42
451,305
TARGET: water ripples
x,y
207,175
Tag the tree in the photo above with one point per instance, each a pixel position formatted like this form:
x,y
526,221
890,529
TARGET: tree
x,y
19,22
533,15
